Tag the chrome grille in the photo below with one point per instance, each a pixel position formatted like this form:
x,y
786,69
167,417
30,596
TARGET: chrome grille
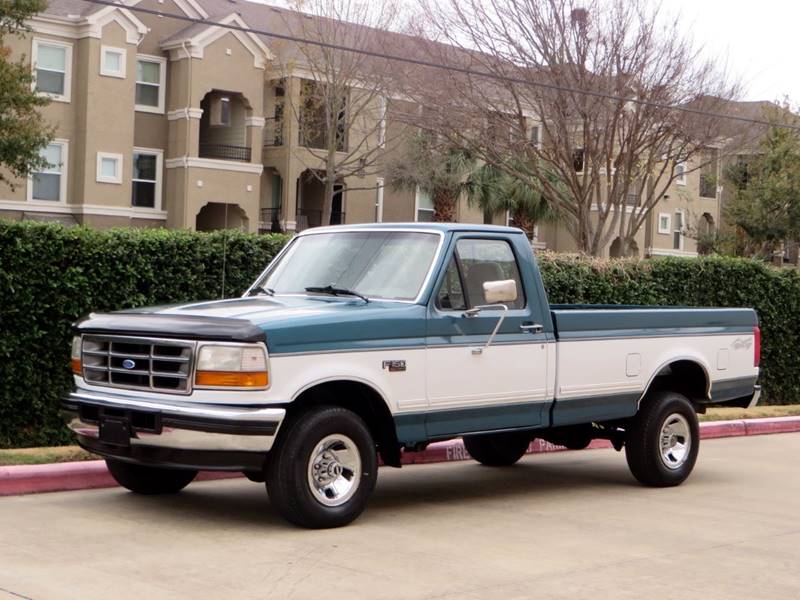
x,y
138,363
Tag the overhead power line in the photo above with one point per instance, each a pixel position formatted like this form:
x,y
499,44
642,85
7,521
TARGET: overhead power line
x,y
452,68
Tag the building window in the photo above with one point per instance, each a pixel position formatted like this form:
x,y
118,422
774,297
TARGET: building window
x,y
150,84
224,111
424,206
52,63
112,62
146,179
680,173
535,136
109,167
578,158
664,223
49,184
632,199
677,234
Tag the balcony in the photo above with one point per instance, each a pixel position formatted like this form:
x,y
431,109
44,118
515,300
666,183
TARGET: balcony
x,y
225,152
307,218
270,219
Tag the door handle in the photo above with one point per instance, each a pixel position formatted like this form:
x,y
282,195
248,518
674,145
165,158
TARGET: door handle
x,y
532,327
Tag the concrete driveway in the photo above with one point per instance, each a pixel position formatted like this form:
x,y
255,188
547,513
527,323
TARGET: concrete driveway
x,y
567,525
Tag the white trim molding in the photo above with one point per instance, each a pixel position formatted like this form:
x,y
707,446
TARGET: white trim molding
x,y
62,187
667,229
681,180
670,252
77,27
123,60
159,154
197,43
212,163
162,84
117,177
83,209
67,47
185,113
255,122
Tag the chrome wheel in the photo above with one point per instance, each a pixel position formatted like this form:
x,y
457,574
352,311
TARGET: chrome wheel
x,y
334,470
675,441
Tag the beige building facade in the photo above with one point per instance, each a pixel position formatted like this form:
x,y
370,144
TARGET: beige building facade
x,y
162,122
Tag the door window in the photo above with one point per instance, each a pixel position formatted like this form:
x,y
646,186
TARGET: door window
x,y
475,262
451,293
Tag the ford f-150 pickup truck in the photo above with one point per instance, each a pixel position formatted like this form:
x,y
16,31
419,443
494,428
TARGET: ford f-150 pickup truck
x,y
358,343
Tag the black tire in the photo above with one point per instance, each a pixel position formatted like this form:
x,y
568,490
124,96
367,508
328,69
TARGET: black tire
x,y
497,449
147,480
289,485
648,464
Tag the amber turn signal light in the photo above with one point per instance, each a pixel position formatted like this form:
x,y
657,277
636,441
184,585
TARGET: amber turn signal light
x,y
255,379
75,363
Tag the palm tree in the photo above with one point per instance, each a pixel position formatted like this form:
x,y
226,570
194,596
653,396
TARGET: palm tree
x,y
497,192
438,170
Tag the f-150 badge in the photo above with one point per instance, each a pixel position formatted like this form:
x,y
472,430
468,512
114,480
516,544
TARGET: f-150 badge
x,y
394,365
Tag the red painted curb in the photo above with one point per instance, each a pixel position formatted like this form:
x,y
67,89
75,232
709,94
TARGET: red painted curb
x,y
59,477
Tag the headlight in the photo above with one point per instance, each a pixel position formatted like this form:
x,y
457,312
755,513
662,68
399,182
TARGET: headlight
x,y
231,366
75,356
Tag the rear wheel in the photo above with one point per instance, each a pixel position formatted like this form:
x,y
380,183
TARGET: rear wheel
x,y
323,469
662,442
147,480
497,449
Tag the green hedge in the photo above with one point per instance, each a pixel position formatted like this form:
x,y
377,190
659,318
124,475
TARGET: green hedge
x,y
50,276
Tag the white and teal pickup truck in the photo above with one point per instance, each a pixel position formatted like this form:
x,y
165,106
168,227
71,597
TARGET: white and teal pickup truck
x,y
358,343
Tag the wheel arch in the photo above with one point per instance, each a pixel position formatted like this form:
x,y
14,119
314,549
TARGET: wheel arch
x,y
363,399
686,375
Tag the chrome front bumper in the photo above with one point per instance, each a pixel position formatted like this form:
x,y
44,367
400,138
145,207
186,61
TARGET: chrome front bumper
x,y
177,433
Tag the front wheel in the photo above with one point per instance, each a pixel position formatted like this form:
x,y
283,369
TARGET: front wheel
x,y
323,469
147,480
663,439
497,449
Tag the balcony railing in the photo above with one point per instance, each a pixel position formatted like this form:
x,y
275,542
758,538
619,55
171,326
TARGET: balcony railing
x,y
226,152
307,218
271,219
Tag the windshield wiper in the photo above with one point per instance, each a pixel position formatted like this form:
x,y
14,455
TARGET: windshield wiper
x,y
335,291
261,290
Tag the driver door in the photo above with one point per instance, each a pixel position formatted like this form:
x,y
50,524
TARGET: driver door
x,y
502,386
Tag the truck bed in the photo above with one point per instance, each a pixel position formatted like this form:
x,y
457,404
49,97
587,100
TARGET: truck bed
x,y
608,355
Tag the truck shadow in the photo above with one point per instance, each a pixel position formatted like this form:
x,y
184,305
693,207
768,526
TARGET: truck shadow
x,y
238,502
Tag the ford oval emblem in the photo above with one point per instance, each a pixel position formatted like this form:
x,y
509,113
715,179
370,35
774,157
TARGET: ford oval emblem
x,y
128,363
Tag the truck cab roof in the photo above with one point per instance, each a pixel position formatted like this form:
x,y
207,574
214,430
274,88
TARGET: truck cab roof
x,y
432,227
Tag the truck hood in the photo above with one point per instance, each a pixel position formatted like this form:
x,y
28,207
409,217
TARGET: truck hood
x,y
288,324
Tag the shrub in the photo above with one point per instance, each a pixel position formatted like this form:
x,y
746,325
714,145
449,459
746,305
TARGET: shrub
x,y
52,275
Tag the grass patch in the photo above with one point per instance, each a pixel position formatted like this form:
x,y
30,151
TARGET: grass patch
x,y
757,412
42,456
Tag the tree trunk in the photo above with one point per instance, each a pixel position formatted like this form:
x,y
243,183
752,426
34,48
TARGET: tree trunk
x,y
444,205
330,182
527,225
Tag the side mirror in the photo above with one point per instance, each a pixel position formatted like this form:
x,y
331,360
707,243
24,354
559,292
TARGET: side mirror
x,y
498,292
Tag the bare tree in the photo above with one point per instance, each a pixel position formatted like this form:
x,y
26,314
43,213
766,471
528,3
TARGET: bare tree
x,y
340,98
553,98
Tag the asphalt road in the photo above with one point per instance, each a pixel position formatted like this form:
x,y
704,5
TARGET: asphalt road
x,y
568,525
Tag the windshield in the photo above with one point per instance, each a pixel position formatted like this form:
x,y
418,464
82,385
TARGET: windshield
x,y
379,264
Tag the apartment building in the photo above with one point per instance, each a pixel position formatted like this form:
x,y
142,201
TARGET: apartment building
x,y
164,122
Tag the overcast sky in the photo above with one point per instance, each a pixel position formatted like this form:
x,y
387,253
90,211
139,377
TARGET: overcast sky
x,y
758,40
